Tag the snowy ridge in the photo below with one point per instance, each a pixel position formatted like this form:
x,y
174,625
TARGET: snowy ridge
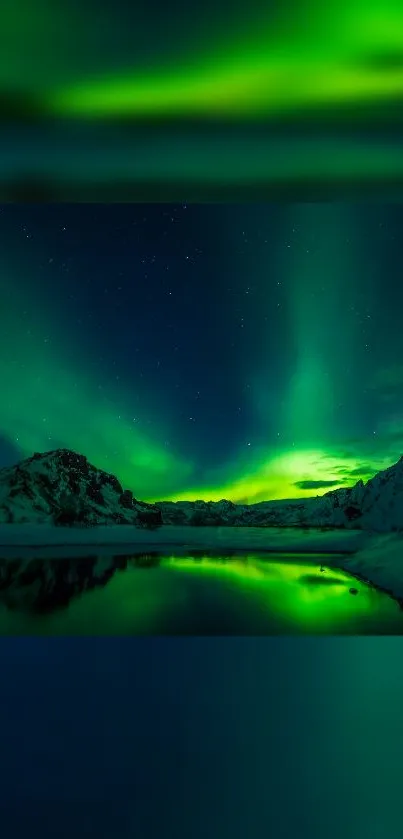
x,y
61,488
375,506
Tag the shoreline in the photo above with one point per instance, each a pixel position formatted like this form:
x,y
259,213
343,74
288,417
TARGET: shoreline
x,y
272,539
373,558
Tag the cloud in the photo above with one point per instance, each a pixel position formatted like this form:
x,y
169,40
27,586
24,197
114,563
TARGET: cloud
x,y
316,484
364,469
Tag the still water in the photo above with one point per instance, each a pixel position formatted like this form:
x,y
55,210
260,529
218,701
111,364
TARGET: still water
x,y
190,595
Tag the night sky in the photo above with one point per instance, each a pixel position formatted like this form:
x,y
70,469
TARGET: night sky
x,y
239,351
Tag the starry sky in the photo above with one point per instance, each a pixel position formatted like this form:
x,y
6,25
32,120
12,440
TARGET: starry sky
x,y
247,352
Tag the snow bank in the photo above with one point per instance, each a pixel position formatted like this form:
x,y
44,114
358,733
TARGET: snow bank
x,y
277,540
380,562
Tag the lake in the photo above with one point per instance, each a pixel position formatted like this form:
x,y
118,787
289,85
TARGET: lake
x,y
198,594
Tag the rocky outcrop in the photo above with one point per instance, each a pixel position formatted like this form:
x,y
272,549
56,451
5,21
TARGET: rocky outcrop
x,y
62,488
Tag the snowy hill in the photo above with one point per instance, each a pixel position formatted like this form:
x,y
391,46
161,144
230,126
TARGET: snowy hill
x,y
62,488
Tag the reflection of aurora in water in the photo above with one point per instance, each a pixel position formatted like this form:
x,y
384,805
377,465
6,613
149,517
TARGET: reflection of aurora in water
x,y
207,595
307,596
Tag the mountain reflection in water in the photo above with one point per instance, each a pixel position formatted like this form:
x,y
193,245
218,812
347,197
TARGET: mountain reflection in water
x,y
151,594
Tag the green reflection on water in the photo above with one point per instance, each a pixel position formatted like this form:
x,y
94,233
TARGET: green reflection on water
x,y
310,596
208,595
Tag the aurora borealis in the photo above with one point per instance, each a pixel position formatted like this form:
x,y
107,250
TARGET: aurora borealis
x,y
204,60
250,352
200,102
270,66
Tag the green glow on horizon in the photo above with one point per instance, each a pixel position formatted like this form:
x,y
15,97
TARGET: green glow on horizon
x,y
276,66
276,478
320,395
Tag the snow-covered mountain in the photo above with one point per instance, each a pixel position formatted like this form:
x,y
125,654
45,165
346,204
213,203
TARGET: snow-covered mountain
x,y
60,487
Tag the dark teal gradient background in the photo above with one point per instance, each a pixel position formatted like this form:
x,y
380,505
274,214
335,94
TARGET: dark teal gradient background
x,y
194,738
201,101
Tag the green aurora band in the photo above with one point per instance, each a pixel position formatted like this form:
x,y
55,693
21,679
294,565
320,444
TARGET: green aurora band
x,y
314,56
216,85
51,402
304,55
